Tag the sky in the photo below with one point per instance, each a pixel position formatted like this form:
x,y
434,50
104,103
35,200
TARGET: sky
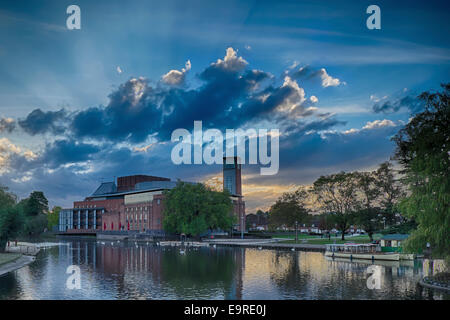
x,y
82,106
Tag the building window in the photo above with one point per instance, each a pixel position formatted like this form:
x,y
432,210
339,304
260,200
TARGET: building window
x,y
158,201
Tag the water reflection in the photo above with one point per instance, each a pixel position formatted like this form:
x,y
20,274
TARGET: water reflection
x,y
121,270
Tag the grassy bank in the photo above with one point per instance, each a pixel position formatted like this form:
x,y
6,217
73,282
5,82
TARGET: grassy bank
x,y
357,239
8,257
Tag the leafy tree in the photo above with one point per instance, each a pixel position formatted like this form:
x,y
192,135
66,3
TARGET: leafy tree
x,y
423,148
53,217
6,199
11,221
35,204
326,221
194,208
289,208
367,216
391,190
34,209
337,194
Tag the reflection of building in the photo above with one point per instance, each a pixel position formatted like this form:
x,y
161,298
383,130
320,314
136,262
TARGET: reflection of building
x,y
135,204
233,183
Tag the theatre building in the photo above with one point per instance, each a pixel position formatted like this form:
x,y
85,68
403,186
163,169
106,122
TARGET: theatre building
x,y
135,204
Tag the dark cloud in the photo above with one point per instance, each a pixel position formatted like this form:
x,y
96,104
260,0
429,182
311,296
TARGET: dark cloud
x,y
98,141
412,103
61,152
309,73
131,115
39,121
230,96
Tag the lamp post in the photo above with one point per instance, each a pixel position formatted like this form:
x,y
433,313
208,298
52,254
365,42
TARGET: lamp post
x,y
296,231
242,226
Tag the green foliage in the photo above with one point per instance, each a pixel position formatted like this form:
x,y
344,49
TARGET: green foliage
x,y
53,217
6,199
11,223
35,225
337,194
423,148
194,209
391,190
35,204
289,208
367,216
404,228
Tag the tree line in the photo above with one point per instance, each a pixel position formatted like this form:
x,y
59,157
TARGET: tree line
x,y
418,194
366,199
28,217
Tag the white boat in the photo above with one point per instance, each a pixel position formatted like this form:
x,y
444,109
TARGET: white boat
x,y
360,251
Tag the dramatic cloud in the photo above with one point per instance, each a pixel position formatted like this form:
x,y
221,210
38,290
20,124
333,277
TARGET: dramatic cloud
x,y
62,152
39,121
230,96
7,125
131,133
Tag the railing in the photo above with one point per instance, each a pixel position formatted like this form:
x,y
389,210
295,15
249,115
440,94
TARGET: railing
x,y
27,250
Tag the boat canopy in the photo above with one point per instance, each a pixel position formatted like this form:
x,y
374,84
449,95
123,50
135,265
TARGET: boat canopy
x,y
354,247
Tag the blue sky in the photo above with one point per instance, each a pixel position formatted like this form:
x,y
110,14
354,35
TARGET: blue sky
x,y
67,122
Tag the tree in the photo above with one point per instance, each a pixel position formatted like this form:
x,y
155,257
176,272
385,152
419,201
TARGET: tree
x,y
390,191
289,209
11,223
423,148
34,209
326,221
35,204
10,217
53,217
6,199
336,194
194,208
367,216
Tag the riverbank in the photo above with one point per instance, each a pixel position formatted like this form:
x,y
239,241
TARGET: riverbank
x,y
266,244
13,261
8,257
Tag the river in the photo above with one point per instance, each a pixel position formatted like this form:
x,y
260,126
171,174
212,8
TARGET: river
x,y
124,270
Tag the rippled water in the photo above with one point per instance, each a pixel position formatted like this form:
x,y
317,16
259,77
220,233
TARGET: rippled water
x,y
134,271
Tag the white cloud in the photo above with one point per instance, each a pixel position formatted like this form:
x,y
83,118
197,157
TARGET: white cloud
x,y
379,124
231,61
177,77
327,80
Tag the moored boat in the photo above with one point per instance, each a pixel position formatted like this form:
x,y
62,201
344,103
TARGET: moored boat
x,y
367,251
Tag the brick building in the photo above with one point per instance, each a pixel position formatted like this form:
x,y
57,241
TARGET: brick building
x,y
135,204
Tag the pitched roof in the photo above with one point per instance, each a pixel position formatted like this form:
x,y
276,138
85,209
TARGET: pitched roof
x,y
105,188
395,236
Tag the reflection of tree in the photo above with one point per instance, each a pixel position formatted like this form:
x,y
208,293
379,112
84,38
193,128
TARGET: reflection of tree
x,y
197,269
287,276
